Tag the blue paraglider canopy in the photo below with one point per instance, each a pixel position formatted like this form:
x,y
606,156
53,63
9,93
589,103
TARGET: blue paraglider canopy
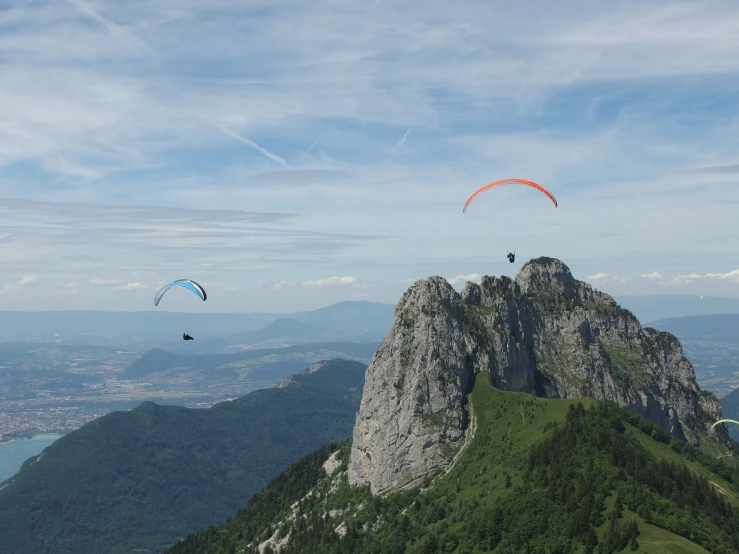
x,y
185,283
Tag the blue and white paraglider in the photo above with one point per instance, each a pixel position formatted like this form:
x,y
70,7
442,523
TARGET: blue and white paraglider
x,y
187,284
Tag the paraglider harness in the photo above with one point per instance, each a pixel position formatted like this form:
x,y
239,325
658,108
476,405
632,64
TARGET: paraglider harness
x,y
511,256
186,336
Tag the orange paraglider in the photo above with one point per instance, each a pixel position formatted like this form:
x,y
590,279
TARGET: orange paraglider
x,y
506,181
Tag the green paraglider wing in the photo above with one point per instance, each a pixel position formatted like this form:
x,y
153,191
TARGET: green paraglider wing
x,y
724,421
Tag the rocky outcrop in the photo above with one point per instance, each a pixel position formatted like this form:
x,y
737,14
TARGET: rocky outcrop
x,y
544,333
412,416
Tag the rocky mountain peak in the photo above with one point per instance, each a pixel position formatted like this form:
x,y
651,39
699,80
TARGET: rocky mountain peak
x,y
544,333
542,275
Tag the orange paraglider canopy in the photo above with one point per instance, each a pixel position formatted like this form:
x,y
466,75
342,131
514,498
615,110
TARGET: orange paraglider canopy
x,y
504,182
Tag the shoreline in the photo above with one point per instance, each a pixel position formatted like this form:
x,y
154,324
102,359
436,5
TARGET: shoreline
x,y
34,436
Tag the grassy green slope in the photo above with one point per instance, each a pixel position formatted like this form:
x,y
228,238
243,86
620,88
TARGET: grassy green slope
x,y
556,476
140,480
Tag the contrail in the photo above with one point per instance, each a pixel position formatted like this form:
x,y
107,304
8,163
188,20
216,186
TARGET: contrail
x,y
120,34
253,144
721,96
375,6
401,142
312,145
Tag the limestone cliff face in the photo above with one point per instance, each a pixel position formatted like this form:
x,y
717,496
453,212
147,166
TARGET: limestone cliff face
x,y
411,418
544,333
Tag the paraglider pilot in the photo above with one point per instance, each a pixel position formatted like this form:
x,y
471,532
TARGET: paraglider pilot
x,y
186,336
511,256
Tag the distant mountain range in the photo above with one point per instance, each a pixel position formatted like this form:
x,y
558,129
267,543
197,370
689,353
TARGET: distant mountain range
x,y
351,320
648,309
158,360
723,327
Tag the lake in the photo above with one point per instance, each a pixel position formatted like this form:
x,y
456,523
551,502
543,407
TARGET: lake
x,y
14,453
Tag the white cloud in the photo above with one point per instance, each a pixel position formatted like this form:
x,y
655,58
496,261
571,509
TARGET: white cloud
x,y
14,287
474,277
605,279
332,282
732,275
231,289
282,284
690,278
131,287
105,103
71,287
107,281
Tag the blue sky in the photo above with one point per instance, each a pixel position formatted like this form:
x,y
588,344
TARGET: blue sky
x,y
290,154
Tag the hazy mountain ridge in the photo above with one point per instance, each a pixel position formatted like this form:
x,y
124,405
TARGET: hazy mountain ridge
x,y
706,327
652,308
158,360
355,318
143,478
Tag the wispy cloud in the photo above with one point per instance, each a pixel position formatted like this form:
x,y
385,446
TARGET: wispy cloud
x,y
14,287
401,142
70,287
120,34
157,140
132,287
606,279
729,276
473,277
106,281
732,275
283,284
730,169
86,239
332,282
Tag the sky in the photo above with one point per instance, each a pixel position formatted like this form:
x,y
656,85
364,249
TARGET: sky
x,y
289,154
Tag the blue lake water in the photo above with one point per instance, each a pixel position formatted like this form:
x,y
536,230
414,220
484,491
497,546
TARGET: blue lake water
x,y
14,453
